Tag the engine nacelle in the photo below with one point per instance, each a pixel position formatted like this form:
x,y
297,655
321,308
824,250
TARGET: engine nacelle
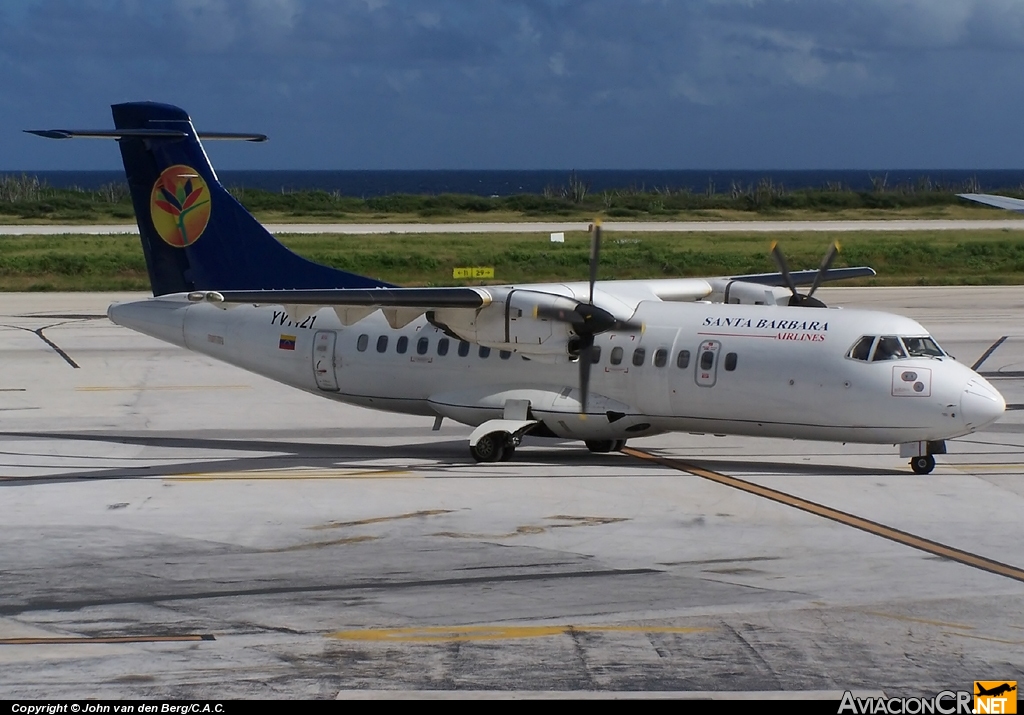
x,y
514,324
725,290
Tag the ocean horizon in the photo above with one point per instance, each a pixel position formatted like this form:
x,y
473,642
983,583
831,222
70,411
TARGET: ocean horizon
x,y
370,183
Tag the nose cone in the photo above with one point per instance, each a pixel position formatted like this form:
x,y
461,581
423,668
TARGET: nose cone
x,y
980,403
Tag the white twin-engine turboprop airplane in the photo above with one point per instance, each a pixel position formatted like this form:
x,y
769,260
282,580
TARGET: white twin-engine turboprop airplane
x,y
599,362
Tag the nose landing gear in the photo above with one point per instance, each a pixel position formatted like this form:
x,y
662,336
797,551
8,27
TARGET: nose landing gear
x,y
922,459
923,465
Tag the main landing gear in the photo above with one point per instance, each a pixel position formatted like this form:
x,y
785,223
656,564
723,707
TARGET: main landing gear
x,y
500,446
601,446
494,447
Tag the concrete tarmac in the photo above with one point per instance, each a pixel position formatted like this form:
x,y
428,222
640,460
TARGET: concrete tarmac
x,y
173,527
555,226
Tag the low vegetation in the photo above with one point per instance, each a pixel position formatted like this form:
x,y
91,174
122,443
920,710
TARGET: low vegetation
x,y
26,199
80,262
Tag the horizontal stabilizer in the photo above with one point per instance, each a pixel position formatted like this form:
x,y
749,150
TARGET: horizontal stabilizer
x,y
140,134
802,278
1000,202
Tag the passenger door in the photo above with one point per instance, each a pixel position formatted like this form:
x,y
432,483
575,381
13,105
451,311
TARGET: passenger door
x,y
324,342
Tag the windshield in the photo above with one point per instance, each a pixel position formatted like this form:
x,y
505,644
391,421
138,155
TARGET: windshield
x,y
922,347
870,348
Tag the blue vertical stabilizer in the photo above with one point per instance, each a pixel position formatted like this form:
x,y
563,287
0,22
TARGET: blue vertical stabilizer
x,y
196,236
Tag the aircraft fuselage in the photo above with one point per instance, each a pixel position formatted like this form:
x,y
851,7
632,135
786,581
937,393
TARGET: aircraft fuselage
x,y
770,371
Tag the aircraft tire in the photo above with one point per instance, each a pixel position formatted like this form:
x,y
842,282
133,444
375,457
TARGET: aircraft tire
x,y
923,465
490,448
600,446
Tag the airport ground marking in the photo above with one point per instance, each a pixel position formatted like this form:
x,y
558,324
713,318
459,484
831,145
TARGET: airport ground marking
x,y
449,634
925,621
89,640
988,353
842,517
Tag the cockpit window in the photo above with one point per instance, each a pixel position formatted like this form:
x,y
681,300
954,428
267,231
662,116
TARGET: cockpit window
x,y
862,348
891,347
888,348
922,347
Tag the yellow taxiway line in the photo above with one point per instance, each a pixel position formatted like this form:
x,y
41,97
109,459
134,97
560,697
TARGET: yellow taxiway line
x,y
857,522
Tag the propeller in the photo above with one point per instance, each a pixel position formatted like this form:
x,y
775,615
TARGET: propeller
x,y
587,319
586,349
798,299
594,320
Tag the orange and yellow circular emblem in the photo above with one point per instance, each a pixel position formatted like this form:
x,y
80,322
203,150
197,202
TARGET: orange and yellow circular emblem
x,y
180,205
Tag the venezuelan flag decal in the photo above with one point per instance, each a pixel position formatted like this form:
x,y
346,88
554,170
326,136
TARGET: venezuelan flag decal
x,y
180,205
287,342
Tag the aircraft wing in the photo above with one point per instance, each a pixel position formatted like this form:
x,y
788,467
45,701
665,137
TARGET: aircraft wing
x,y
1000,202
400,306
802,278
457,297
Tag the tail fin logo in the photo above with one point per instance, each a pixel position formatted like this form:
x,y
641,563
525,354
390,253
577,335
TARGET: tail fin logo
x,y
180,205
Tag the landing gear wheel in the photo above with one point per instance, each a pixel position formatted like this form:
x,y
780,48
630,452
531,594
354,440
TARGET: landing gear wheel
x,y
490,448
923,465
601,446
618,444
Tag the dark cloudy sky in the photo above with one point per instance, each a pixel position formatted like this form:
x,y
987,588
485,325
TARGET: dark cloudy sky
x,y
518,84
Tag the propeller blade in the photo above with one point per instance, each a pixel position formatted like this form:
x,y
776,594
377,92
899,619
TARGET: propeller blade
x,y
595,252
586,361
780,261
805,301
826,262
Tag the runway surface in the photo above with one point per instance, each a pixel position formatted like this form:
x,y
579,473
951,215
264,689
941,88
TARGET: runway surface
x,y
173,527
554,226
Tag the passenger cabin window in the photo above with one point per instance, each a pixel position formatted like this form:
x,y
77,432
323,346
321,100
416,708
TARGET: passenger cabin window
x,y
616,357
402,345
862,348
660,357
362,342
595,354
463,348
382,343
639,355
888,347
422,345
730,361
683,359
707,360
442,346
484,352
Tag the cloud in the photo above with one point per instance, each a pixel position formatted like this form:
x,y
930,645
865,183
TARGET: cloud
x,y
548,77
